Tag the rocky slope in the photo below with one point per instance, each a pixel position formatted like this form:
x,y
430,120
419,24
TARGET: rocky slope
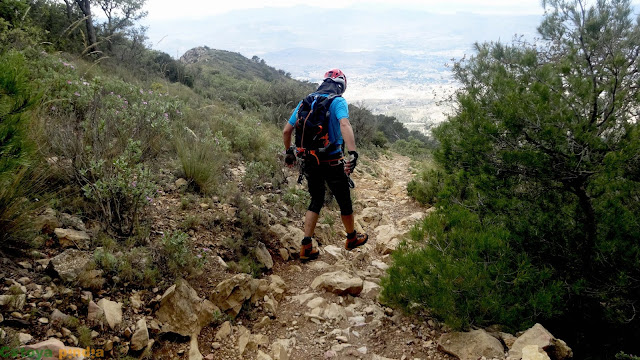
x,y
325,309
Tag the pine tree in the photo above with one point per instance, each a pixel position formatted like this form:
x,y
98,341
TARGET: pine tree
x,y
539,207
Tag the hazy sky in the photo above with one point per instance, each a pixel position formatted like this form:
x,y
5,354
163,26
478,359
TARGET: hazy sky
x,y
170,9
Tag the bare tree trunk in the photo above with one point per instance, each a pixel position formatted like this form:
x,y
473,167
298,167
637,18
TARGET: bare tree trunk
x,y
69,9
85,6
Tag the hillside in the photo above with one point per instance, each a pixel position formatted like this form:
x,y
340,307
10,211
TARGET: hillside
x,y
233,64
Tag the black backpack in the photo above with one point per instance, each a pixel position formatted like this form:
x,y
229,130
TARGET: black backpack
x,y
312,127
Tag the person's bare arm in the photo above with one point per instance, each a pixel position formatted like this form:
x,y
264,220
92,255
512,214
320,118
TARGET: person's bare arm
x,y
347,134
286,135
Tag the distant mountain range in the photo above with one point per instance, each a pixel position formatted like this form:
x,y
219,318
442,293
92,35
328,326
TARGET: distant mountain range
x,y
395,60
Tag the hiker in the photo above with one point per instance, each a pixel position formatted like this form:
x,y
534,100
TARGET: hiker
x,y
326,131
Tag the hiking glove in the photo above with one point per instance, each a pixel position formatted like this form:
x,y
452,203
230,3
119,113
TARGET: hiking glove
x,y
290,158
350,165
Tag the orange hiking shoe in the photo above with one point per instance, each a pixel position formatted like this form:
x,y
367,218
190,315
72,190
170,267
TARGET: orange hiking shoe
x,y
355,239
307,252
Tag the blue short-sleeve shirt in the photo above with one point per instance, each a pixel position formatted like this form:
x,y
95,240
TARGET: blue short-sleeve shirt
x,y
339,110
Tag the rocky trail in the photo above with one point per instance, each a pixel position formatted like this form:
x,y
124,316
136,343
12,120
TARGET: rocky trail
x,y
329,308
58,301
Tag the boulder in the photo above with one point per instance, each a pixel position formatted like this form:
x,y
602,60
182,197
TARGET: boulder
x,y
263,256
338,282
533,352
140,337
261,290
69,264
135,301
372,217
182,311
334,251
387,239
48,221
72,238
24,338
558,350
231,294
279,351
181,183
58,317
95,313
539,336
277,287
224,331
70,221
369,286
270,305
335,312
471,345
281,348
289,238
248,341
112,312
316,302
410,220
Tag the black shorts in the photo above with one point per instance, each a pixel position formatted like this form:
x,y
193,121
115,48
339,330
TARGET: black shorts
x,y
337,181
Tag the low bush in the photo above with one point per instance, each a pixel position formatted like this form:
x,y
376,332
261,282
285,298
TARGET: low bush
x,y
425,187
178,257
203,160
104,130
261,172
134,267
298,199
18,181
411,147
465,272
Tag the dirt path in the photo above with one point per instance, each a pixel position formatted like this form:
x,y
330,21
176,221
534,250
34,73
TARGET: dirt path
x,y
318,324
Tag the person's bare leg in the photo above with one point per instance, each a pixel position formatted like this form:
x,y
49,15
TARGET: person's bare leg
x,y
310,220
347,220
307,252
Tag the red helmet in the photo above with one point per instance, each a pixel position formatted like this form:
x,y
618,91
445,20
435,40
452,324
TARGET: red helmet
x,y
337,76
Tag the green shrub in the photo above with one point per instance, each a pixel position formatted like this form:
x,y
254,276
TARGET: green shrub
x,y
191,222
131,266
623,356
465,273
121,190
107,129
260,172
84,336
412,147
298,199
425,187
253,228
380,140
178,256
248,265
71,322
18,182
203,161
